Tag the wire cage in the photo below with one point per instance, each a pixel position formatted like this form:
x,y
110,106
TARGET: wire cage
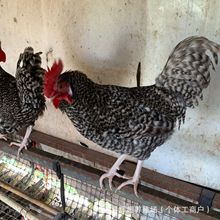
x,y
6,212
83,200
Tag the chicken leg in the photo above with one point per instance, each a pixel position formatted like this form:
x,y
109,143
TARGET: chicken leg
x,y
112,172
135,179
23,144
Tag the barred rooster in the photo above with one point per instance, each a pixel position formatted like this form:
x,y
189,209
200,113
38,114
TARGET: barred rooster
x,y
21,97
134,121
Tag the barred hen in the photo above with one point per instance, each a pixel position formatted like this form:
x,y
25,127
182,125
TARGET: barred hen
x,y
134,121
21,97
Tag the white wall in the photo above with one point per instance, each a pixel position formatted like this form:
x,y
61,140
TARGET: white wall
x,y
106,40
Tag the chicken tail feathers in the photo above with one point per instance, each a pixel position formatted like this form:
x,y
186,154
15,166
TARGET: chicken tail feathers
x,y
28,59
29,79
187,70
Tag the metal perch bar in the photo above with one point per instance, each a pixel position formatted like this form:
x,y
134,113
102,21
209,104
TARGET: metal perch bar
x,y
19,208
34,201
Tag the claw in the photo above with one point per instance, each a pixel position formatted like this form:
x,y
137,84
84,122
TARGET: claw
x,y
131,181
110,176
112,172
3,136
20,145
24,142
135,179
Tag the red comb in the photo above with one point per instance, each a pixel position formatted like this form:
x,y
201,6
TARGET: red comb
x,y
51,77
2,54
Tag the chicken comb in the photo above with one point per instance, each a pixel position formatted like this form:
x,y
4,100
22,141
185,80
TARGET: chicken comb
x,y
50,78
2,54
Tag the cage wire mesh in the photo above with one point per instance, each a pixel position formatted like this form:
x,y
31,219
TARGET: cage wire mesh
x,y
83,201
7,213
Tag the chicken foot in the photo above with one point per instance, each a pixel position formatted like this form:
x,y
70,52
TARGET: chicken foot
x,y
23,144
112,172
135,179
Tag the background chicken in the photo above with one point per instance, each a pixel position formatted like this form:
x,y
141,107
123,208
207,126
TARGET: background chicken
x,y
134,121
21,97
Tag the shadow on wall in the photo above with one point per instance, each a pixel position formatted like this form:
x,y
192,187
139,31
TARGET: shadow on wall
x,y
107,40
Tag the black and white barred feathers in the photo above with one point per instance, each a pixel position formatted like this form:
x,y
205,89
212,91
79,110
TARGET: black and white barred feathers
x,y
188,68
21,97
135,121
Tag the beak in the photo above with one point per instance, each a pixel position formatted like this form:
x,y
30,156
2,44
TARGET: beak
x,y
69,99
58,98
